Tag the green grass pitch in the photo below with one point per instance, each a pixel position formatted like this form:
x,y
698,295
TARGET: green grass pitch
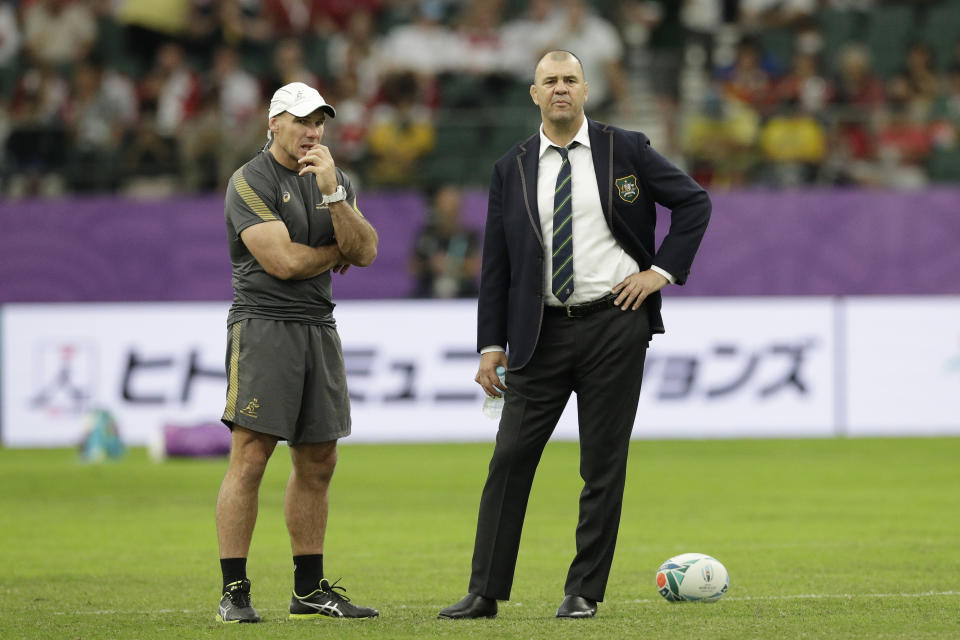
x,y
855,538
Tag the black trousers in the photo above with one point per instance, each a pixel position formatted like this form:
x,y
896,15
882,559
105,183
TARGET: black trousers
x,y
599,357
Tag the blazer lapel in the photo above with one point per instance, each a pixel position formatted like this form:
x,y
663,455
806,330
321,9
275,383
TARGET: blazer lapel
x,y
528,162
601,146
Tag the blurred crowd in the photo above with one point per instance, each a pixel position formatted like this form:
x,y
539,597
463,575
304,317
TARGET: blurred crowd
x,y
157,97
847,92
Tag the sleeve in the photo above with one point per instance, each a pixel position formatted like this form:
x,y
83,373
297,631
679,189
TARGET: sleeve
x,y
494,272
664,273
689,207
246,203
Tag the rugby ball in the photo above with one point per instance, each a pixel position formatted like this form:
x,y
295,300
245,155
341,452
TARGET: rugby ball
x,y
692,577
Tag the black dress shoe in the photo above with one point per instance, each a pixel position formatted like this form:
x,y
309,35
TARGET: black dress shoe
x,y
577,607
472,606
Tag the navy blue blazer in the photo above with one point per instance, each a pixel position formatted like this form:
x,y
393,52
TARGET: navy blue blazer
x,y
631,177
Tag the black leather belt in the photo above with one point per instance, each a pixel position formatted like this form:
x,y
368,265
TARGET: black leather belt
x,y
585,309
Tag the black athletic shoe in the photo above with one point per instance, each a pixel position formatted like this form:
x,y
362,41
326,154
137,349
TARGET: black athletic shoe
x,y
235,604
327,602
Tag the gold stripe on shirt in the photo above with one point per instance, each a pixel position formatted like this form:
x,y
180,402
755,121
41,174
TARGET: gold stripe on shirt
x,y
251,198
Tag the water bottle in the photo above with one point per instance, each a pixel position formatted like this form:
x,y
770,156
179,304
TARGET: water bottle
x,y
493,407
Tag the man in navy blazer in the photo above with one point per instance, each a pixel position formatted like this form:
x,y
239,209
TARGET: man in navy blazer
x,y
559,330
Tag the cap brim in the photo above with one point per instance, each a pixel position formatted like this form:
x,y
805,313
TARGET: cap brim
x,y
309,107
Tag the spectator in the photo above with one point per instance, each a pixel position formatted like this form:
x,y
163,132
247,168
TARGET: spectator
x,y
425,46
747,80
297,18
9,40
9,54
527,37
349,137
804,85
150,163
720,141
856,84
162,42
59,32
122,93
337,14
170,94
354,51
920,74
35,144
98,122
203,31
148,25
703,22
288,66
246,27
946,111
904,137
174,88
597,43
401,133
226,130
481,47
238,91
785,26
446,261
858,98
200,142
795,144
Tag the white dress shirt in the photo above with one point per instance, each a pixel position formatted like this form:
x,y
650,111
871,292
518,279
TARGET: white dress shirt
x,y
599,262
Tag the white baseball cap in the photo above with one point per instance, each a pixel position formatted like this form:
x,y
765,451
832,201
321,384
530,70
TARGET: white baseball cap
x,y
300,100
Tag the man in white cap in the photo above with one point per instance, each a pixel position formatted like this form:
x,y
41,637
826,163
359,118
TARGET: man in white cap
x,y
292,221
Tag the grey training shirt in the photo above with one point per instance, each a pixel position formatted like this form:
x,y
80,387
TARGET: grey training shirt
x,y
263,190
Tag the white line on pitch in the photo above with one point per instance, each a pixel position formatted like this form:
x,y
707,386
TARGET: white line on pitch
x,y
798,596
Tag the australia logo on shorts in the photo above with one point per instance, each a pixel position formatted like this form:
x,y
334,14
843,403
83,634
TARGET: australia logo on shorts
x,y
286,196
251,409
627,188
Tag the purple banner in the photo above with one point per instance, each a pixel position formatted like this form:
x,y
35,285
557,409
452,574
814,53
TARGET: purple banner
x,y
815,242
829,242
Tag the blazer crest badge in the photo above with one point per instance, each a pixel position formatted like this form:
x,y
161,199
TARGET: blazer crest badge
x,y
627,188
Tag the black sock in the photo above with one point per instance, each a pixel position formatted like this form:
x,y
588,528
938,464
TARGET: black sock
x,y
307,573
233,569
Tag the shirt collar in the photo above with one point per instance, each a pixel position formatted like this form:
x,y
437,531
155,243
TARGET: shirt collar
x,y
583,137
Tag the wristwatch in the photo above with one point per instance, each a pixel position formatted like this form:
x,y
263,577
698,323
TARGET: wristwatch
x,y
337,196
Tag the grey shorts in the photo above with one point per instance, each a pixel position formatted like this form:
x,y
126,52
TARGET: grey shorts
x,y
287,379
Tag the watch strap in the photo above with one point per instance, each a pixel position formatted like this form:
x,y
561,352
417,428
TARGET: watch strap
x,y
337,196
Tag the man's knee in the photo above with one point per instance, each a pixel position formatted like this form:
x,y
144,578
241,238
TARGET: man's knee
x,y
315,462
249,453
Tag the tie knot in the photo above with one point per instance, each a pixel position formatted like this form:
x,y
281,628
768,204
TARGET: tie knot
x,y
563,151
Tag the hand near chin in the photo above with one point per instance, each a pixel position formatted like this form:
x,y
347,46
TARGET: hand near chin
x,y
319,162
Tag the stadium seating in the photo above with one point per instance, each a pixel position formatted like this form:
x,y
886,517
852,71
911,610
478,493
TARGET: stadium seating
x,y
888,34
944,165
940,31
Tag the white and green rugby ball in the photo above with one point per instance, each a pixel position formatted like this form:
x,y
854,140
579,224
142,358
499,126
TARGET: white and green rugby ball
x,y
692,577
